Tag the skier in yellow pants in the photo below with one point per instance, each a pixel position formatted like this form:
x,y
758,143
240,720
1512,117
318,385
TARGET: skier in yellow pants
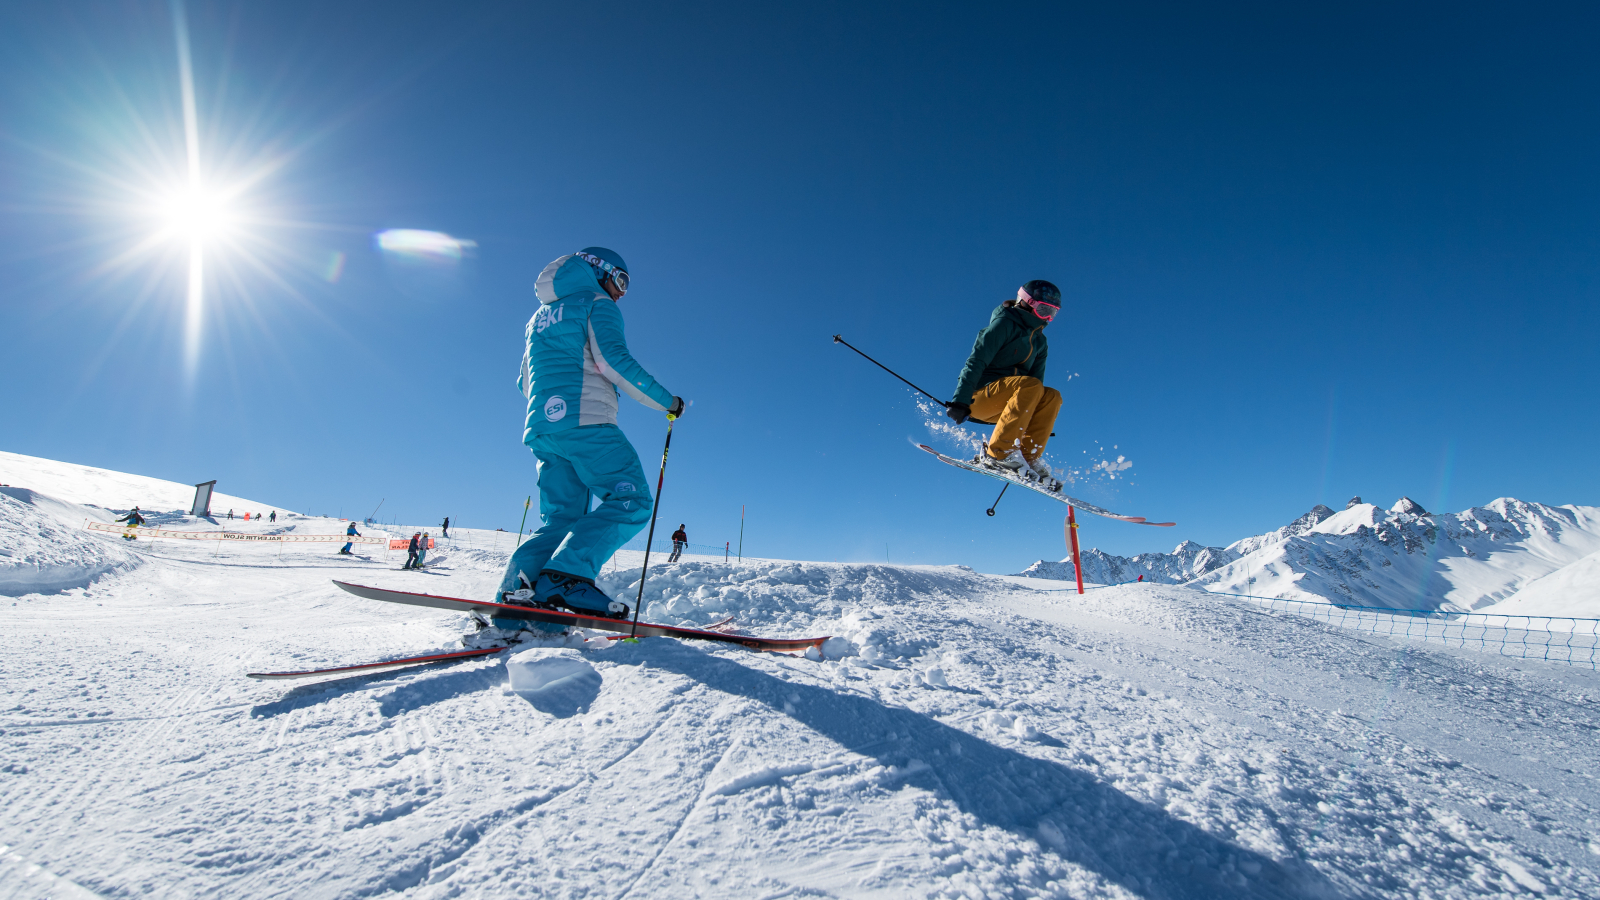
x,y
1003,384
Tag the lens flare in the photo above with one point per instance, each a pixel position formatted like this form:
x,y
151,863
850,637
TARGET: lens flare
x,y
414,245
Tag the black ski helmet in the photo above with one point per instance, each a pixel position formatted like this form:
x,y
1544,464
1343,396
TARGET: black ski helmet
x,y
1043,291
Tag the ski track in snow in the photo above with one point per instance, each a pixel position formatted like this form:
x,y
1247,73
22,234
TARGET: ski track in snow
x,y
966,737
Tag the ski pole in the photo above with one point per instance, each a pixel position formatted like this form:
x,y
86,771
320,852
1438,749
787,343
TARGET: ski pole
x,y
839,340
525,504
1002,494
656,508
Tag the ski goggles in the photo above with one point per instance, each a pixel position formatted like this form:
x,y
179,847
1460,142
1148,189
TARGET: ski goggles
x,y
618,276
1040,308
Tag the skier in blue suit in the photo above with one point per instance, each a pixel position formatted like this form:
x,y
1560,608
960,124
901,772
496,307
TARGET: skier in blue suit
x,y
575,362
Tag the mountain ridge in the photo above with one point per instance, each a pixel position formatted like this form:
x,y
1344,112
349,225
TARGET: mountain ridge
x,y
1400,558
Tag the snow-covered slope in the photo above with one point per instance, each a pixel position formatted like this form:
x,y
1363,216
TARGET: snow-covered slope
x,y
104,488
1572,590
1400,558
964,736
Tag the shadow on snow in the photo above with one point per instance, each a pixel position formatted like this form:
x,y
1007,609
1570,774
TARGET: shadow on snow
x,y
1133,844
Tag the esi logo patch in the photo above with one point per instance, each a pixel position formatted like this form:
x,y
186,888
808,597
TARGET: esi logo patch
x,y
624,487
555,409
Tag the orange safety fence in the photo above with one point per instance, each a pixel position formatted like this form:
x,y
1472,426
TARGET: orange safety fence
x,y
405,544
143,531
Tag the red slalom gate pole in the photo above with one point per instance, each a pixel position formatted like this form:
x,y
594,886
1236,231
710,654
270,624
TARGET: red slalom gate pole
x,y
1072,539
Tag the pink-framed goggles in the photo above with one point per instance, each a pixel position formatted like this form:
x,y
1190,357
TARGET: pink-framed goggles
x,y
1040,308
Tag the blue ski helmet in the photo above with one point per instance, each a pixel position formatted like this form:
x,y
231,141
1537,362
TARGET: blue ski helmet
x,y
610,256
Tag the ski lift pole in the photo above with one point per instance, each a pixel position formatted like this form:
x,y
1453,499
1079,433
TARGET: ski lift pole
x,y
655,508
1072,539
839,340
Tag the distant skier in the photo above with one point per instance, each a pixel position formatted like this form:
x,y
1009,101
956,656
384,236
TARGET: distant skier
x,y
444,530
679,538
350,532
1003,384
273,517
422,550
230,515
133,517
411,551
575,360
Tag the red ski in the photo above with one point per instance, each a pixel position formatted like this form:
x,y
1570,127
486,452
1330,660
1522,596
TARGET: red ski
x,y
377,666
599,623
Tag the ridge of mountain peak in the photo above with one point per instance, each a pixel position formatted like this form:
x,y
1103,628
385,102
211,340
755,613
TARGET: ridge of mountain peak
x,y
1408,506
1400,558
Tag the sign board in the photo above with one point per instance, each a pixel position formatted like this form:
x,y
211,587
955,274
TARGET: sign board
x,y
202,499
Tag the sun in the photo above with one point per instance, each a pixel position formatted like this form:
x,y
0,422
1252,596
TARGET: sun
x,y
195,214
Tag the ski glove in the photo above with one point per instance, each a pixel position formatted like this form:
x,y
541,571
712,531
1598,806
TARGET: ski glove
x,y
958,411
677,407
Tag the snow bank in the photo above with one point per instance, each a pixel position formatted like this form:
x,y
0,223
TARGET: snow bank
x,y
41,553
867,608
112,490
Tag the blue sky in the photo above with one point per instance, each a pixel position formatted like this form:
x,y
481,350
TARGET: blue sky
x,y
1306,253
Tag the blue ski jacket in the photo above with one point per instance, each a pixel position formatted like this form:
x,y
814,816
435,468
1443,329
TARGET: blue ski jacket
x,y
576,357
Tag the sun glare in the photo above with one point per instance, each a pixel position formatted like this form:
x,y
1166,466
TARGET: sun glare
x,y
195,215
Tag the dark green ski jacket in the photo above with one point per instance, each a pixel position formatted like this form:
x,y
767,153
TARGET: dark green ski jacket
x,y
1012,344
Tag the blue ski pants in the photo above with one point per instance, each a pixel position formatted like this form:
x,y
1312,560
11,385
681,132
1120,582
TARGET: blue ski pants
x,y
574,465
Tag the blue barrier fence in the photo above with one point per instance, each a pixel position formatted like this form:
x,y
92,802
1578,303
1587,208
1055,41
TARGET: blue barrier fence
x,y
1552,638
664,545
1561,639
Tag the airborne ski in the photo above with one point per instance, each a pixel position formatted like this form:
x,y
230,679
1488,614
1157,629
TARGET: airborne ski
x,y
1053,495
599,623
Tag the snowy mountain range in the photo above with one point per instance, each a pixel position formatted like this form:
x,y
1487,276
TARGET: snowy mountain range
x,y
1509,556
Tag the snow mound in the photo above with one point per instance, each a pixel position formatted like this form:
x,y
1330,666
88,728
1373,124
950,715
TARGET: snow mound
x,y
42,553
556,681
89,485
868,609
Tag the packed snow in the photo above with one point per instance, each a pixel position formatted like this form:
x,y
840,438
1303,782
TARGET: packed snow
x,y
963,735
1508,556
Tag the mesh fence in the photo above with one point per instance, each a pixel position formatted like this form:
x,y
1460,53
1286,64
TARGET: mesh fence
x,y
664,545
1559,639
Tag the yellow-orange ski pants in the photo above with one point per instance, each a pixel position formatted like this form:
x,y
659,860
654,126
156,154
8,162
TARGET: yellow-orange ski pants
x,y
1023,411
